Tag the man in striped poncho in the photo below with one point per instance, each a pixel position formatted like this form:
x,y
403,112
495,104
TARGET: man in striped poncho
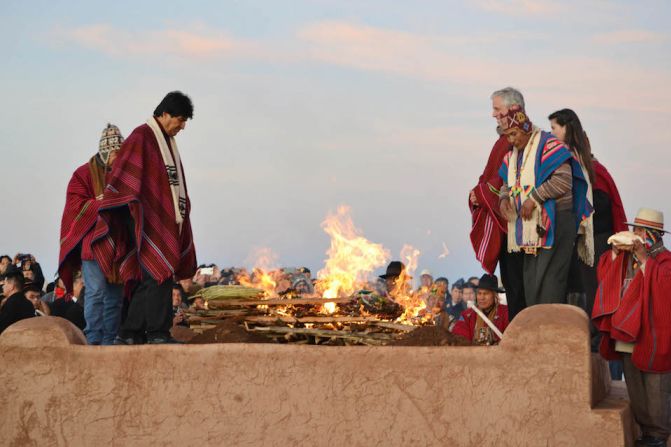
x,y
544,199
102,298
144,230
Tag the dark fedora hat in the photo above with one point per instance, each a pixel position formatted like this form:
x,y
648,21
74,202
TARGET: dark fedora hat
x,y
394,270
490,282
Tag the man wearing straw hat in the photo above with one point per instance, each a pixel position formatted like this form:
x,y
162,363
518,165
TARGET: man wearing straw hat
x,y
632,310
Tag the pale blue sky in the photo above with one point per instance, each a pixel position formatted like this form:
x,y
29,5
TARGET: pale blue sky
x,y
301,106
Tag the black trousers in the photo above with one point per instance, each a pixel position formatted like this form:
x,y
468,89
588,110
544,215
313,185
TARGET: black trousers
x,y
650,399
149,311
511,266
546,273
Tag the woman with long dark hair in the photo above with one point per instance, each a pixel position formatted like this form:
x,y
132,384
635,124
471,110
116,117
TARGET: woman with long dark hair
x,y
608,217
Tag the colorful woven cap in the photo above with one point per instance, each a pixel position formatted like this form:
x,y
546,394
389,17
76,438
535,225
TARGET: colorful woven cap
x,y
649,218
110,140
516,117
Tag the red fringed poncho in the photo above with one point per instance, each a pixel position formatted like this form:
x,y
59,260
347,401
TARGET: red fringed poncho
x,y
138,188
488,226
642,316
79,218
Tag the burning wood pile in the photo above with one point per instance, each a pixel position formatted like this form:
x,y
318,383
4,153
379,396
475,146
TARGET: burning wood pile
x,y
343,309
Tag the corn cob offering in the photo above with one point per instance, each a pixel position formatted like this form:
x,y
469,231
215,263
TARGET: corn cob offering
x,y
215,293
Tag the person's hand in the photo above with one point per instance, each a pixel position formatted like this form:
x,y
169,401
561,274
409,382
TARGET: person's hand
x,y
112,157
640,252
506,209
178,318
527,210
44,308
616,251
473,198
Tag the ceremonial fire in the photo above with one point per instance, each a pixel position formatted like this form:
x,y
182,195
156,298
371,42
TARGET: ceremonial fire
x,y
346,306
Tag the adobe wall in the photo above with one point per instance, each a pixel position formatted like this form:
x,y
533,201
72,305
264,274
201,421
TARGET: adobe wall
x,y
536,388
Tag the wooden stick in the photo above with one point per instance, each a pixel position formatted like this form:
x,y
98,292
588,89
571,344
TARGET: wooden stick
x,y
489,323
317,319
214,304
396,326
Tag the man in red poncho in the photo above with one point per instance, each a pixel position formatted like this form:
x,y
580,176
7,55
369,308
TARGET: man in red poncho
x,y
102,301
144,230
472,326
488,234
632,310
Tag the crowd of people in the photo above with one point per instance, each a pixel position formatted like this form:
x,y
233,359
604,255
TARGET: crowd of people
x,y
543,211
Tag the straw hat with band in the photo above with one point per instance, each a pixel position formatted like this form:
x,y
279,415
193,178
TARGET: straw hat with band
x,y
650,219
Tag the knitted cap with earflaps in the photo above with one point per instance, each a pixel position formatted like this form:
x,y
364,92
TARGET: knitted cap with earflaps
x,y
110,140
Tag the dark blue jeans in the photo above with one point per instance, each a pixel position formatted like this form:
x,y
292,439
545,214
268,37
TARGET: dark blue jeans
x,y
102,305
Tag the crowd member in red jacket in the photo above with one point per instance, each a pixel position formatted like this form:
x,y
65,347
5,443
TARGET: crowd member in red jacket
x,y
471,326
633,312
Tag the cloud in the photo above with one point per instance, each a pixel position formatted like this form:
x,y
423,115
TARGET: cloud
x,y
628,36
519,7
580,80
369,48
122,42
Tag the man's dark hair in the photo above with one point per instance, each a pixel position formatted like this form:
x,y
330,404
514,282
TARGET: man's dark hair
x,y
5,256
17,279
443,279
175,104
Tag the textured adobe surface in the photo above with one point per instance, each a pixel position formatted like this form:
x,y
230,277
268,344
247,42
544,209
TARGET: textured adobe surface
x,y
536,388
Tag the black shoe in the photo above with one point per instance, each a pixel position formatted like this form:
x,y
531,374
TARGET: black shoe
x,y
650,441
163,341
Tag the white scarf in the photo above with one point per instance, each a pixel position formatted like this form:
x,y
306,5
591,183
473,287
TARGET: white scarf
x,y
173,170
530,238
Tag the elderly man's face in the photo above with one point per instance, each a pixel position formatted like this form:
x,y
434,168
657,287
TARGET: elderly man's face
x,y
516,137
486,299
498,107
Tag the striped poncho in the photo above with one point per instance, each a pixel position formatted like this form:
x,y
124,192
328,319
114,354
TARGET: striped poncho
x,y
137,228
550,154
79,218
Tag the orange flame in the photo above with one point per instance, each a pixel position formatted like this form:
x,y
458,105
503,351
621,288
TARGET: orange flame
x,y
264,261
351,258
413,303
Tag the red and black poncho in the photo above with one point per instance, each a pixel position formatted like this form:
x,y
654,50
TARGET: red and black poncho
x,y
137,228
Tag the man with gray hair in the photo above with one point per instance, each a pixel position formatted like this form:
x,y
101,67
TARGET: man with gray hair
x,y
488,234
